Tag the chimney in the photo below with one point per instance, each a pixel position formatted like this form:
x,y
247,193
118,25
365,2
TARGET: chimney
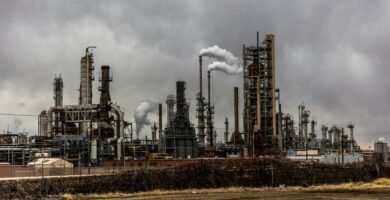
x,y
208,88
324,129
200,76
104,89
226,130
200,108
236,135
86,78
351,126
154,130
159,121
181,102
236,124
170,108
209,113
58,91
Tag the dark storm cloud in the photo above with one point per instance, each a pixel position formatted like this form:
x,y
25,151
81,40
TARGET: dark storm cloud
x,y
332,56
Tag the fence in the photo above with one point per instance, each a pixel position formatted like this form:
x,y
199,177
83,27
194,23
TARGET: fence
x,y
108,167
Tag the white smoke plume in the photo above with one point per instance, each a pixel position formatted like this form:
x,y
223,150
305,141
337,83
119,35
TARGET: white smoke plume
x,y
141,114
381,139
226,61
220,54
224,67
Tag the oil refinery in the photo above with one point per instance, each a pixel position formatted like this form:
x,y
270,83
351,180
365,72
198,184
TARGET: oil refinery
x,y
90,133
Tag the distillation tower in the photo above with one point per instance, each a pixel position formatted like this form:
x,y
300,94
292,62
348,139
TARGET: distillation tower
x,y
259,96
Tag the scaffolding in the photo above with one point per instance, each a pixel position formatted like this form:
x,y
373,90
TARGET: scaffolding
x,y
259,96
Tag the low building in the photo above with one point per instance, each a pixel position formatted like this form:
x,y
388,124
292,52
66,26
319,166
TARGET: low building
x,y
51,163
52,166
333,158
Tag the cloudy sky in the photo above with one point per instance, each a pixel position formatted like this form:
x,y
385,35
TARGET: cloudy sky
x,y
332,56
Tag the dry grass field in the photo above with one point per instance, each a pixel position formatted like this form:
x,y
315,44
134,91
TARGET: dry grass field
x,y
378,189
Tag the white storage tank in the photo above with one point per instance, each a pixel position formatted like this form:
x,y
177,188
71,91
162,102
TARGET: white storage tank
x,y
380,147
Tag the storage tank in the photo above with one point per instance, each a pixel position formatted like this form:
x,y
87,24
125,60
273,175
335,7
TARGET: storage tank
x,y
381,148
93,149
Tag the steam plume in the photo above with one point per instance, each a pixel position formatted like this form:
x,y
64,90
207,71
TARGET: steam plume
x,y
221,55
141,114
226,61
224,67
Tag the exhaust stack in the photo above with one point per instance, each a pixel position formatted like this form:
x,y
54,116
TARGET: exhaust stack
x,y
159,121
210,112
236,136
226,130
201,108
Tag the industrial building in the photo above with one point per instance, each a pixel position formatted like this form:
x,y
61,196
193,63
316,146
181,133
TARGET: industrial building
x,y
89,133
179,139
259,96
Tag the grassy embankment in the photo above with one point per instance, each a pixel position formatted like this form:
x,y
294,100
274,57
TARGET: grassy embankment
x,y
379,184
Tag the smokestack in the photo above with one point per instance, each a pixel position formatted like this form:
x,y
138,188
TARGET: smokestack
x,y
181,99
313,124
154,130
226,130
187,110
236,124
208,88
200,107
200,76
351,126
58,91
209,113
58,86
104,89
131,131
324,129
170,108
86,77
159,121
236,135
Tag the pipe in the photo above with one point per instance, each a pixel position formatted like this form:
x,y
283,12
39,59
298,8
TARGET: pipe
x,y
200,76
236,124
121,123
119,148
226,130
210,123
49,120
159,121
245,110
208,88
324,129
131,131
280,135
109,140
330,132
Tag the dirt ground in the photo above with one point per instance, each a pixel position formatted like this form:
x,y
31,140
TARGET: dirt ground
x,y
295,195
378,189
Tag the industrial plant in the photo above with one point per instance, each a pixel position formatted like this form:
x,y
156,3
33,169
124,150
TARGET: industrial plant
x,y
91,133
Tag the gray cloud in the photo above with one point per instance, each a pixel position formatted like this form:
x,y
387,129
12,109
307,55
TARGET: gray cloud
x,y
332,56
